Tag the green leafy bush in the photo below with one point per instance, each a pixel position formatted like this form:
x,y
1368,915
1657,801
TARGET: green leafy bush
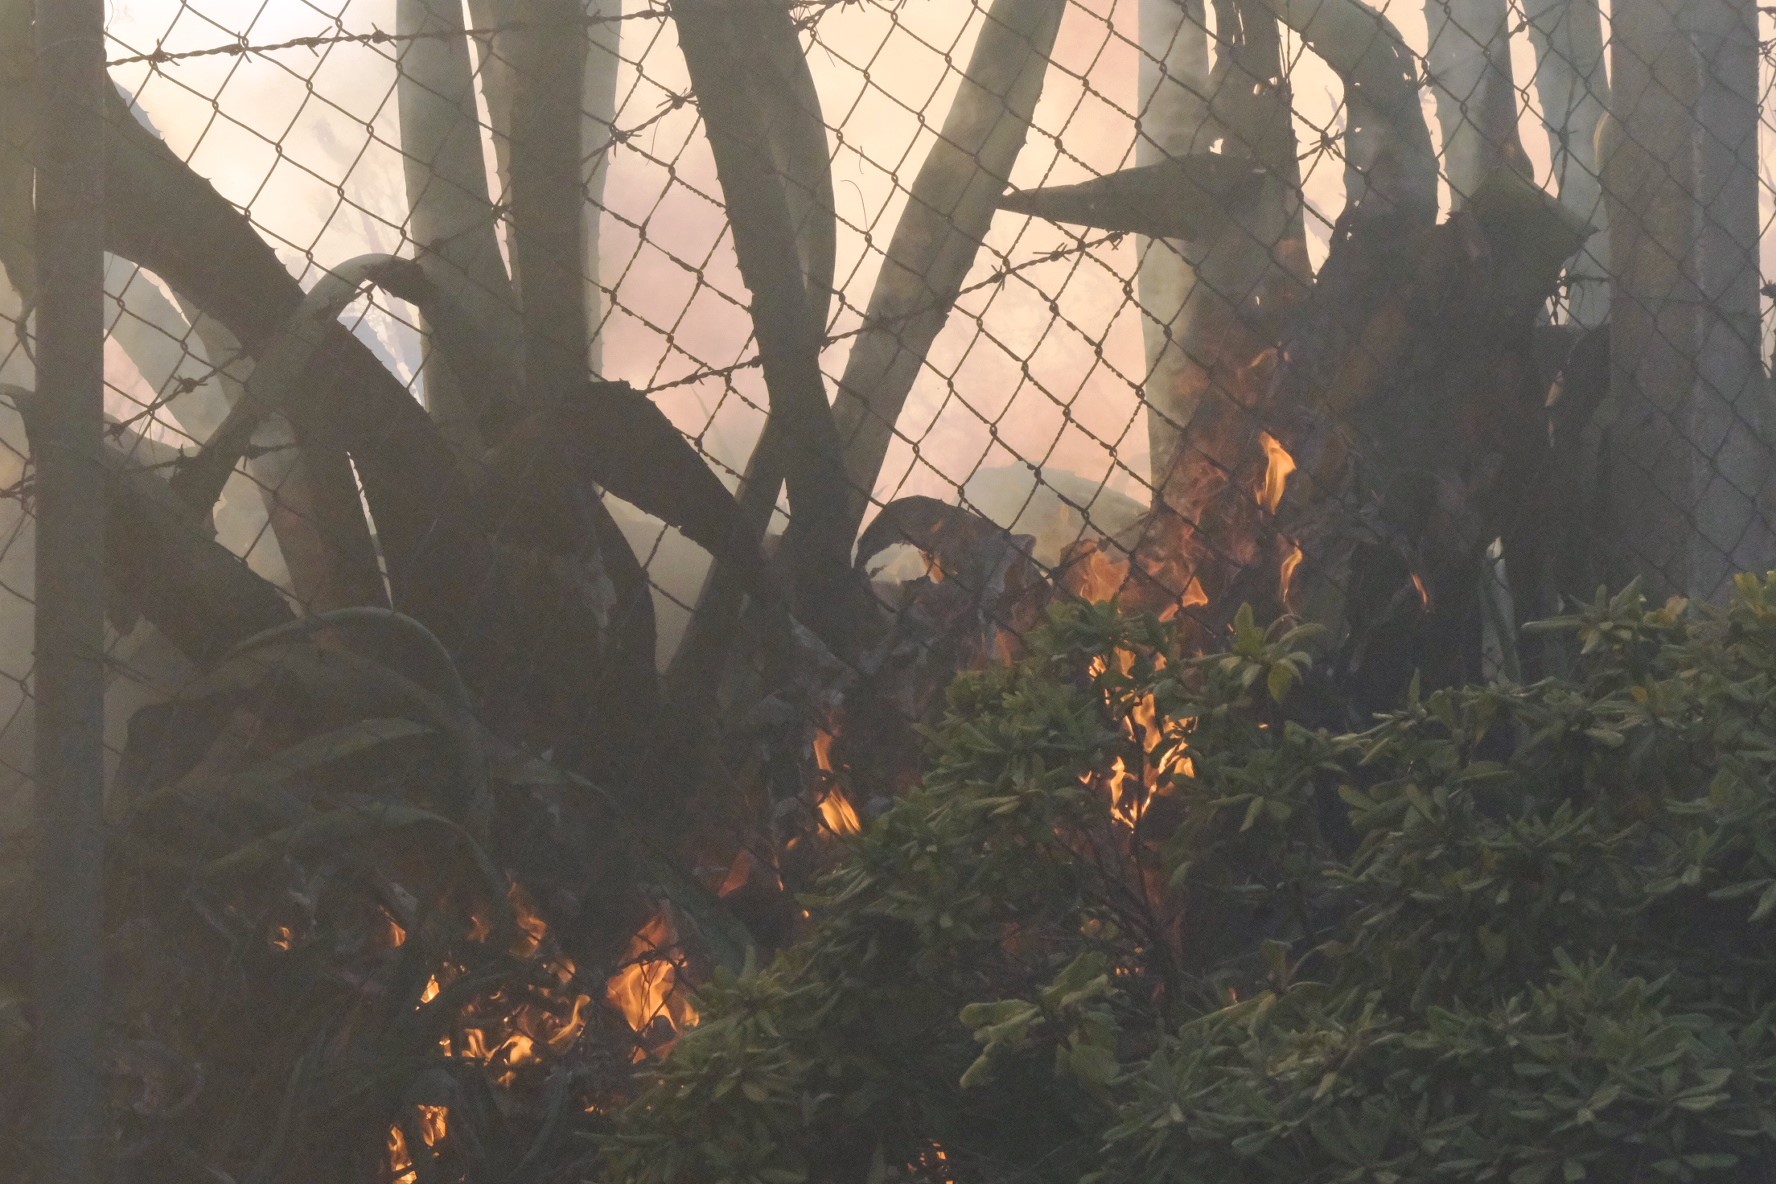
x,y
1142,923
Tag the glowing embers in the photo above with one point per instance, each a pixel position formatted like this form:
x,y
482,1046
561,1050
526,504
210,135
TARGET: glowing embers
x,y
648,990
519,1020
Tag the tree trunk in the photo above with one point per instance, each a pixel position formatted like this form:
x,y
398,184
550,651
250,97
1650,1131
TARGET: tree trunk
x,y
1568,39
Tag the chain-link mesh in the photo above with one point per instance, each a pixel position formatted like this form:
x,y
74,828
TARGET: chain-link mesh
x,y
1326,337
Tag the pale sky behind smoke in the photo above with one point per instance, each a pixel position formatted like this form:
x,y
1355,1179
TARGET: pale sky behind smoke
x,y
1040,369
306,139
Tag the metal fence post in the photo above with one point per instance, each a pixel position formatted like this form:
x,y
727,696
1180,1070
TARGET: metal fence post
x,y
70,623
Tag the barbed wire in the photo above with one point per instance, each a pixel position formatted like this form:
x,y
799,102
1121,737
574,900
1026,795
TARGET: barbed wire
x,y
242,47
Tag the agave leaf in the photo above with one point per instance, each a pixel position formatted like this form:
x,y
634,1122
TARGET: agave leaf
x,y
598,115
548,52
438,692
196,592
727,940
329,566
619,439
163,216
789,108
333,828
720,41
940,232
495,70
282,367
1185,197
452,221
1390,168
334,747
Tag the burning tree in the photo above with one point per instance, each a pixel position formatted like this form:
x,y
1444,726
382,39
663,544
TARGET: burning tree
x,y
440,804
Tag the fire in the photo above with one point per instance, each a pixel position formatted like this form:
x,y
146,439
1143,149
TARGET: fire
x,y
400,1160
1424,593
434,1125
1164,752
1291,561
515,1025
1096,575
836,809
646,988
1279,464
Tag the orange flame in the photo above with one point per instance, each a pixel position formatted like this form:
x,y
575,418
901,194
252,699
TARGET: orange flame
x,y
646,988
1097,576
1291,561
400,1161
836,809
513,1026
434,1125
1279,464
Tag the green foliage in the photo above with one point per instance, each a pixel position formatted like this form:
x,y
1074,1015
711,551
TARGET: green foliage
x,y
1505,933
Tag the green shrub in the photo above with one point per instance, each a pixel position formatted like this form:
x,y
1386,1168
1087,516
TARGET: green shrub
x,y
1512,933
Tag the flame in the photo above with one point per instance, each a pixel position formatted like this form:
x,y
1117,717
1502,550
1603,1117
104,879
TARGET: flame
x,y
836,809
434,1126
1279,464
1424,593
515,1025
282,938
646,988
839,814
1291,561
1164,753
1097,576
400,1162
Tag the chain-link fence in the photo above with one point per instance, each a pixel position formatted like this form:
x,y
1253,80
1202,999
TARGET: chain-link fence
x,y
1373,317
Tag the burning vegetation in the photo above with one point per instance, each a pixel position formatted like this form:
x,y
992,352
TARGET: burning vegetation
x,y
480,862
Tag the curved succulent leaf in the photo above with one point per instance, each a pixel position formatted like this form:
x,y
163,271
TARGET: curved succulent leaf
x,y
940,233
